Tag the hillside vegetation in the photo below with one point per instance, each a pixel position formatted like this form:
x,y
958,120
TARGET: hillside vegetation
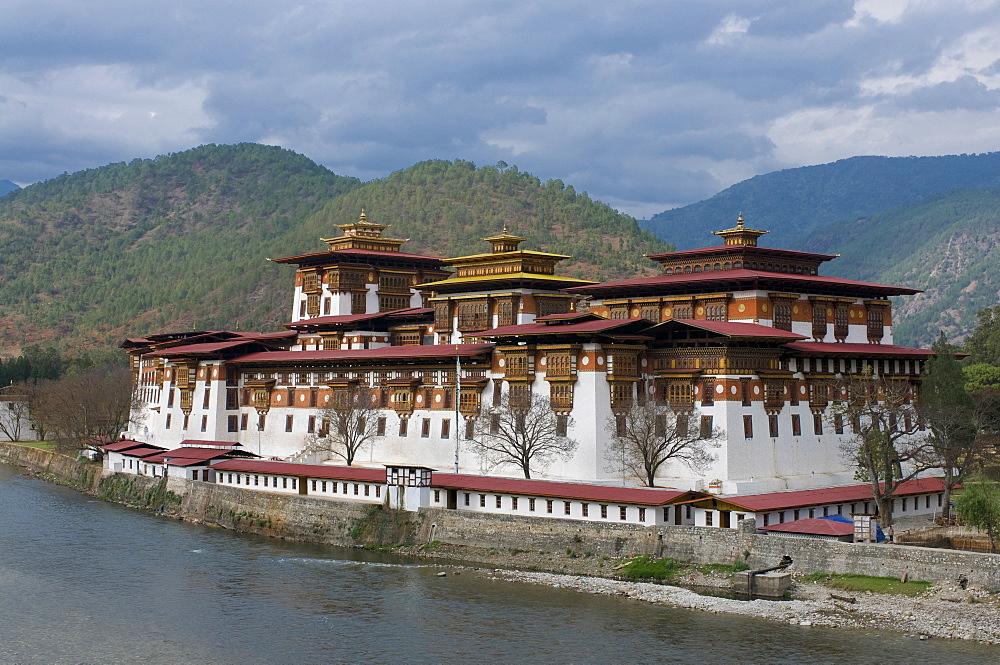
x,y
174,242
180,241
447,208
794,202
947,245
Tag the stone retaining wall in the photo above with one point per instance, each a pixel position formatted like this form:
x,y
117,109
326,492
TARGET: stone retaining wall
x,y
334,522
709,545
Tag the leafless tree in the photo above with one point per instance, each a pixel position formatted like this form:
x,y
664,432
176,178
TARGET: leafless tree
x,y
525,433
647,436
887,441
14,411
87,409
347,425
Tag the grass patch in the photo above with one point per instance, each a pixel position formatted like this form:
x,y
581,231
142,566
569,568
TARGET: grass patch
x,y
431,546
43,445
860,583
723,568
648,568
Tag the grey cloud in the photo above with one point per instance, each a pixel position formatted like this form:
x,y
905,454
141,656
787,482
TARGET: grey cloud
x,y
624,100
966,92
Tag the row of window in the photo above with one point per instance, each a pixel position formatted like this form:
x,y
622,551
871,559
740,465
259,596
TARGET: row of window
x,y
906,504
514,503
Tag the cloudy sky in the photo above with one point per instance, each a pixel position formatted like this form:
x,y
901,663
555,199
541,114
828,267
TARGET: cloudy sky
x,y
645,104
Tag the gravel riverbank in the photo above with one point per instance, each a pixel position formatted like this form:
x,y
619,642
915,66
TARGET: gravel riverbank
x,y
943,612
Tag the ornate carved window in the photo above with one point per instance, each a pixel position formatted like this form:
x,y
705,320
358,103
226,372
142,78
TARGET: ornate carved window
x,y
561,396
680,395
546,306
394,283
621,395
559,364
312,305
310,282
876,324
442,317
650,312
840,321
708,392
716,310
506,312
391,302
683,311
359,302
473,316
818,320
520,395
782,316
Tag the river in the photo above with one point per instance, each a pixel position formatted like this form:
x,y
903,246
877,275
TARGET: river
x,y
83,582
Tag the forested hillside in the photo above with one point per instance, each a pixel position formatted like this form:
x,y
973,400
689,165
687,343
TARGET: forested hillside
x,y
180,241
446,208
794,202
947,245
173,242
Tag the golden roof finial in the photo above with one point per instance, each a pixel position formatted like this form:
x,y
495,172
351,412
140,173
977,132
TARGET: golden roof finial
x,y
363,219
505,229
739,220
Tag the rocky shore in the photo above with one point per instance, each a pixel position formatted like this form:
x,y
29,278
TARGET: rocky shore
x,y
944,612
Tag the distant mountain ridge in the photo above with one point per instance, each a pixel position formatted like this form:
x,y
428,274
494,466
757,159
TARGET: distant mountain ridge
x,y
946,244
794,202
6,187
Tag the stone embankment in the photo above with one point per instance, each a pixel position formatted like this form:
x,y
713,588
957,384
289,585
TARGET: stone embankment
x,y
580,555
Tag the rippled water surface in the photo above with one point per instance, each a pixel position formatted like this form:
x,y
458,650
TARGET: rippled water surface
x,y
85,582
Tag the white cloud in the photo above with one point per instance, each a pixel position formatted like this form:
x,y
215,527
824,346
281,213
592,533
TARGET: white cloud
x,y
732,27
646,106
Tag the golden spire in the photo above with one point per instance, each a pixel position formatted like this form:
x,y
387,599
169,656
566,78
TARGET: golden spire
x,y
740,234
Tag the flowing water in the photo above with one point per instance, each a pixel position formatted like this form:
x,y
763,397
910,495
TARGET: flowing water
x,y
86,582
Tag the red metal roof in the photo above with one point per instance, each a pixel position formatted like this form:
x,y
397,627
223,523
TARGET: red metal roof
x,y
542,488
143,452
813,526
302,470
853,349
546,488
199,443
827,495
190,349
741,275
382,353
359,252
754,249
196,453
356,318
735,329
124,444
554,328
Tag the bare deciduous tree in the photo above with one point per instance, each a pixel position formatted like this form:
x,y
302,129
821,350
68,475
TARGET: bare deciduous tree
x,y
85,410
525,433
347,425
886,443
647,436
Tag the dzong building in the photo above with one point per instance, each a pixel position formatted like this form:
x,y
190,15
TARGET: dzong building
x,y
751,338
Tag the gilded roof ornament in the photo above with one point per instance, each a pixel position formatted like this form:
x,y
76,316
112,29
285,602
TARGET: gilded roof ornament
x,y
740,234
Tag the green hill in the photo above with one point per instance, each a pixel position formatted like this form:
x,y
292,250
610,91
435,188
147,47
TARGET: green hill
x,y
948,245
6,187
447,208
172,242
794,202
180,241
